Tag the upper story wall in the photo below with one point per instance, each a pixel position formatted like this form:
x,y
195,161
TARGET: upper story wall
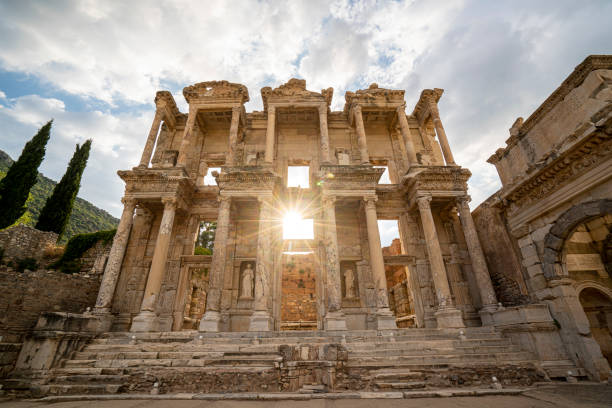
x,y
583,99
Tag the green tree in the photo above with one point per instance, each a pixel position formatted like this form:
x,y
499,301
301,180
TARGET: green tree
x,y
56,212
21,176
206,238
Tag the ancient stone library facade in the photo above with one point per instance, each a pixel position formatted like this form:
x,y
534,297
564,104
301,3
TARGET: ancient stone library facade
x,y
519,293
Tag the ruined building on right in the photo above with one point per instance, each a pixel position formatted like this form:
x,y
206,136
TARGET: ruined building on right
x,y
547,233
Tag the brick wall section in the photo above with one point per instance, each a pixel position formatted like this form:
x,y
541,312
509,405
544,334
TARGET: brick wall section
x,y
298,289
502,259
22,241
26,295
94,259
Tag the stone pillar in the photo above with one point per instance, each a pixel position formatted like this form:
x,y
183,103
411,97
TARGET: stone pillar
x,y
384,316
115,258
211,319
334,319
479,264
410,151
361,136
324,134
150,144
202,170
270,132
146,320
260,319
233,136
187,134
446,150
446,315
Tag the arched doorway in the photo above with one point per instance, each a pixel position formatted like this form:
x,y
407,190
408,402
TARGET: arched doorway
x,y
598,308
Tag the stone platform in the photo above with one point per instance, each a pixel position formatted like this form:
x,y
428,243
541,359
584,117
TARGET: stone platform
x,y
308,362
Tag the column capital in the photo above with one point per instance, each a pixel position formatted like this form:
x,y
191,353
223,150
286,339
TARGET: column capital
x,y
224,199
424,202
271,109
236,109
169,202
370,201
401,108
356,108
322,108
129,202
328,200
463,200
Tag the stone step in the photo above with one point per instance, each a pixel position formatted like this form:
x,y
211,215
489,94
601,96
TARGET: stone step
x,y
89,378
429,344
82,389
507,358
466,351
401,385
168,362
86,371
395,374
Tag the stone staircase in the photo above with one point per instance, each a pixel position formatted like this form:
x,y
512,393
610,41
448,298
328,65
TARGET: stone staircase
x,y
193,362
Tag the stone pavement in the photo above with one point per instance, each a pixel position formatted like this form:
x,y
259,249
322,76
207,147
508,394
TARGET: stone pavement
x,y
554,395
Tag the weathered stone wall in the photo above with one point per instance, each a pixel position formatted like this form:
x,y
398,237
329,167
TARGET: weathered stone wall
x,y
25,295
298,289
500,252
94,259
22,241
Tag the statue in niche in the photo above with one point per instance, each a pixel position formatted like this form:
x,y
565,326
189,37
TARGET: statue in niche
x,y
247,282
349,284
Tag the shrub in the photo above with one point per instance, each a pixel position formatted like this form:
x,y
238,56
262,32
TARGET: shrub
x,y
27,263
202,251
76,247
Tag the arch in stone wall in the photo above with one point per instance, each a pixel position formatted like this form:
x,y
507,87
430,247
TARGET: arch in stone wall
x,y
562,229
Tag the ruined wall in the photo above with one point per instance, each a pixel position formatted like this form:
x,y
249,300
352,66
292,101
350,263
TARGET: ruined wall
x,y
22,241
25,295
501,255
298,289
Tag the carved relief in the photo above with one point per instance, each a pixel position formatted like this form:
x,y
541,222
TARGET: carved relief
x,y
246,281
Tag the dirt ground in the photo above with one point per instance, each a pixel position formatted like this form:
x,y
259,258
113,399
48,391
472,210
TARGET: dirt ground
x,y
570,396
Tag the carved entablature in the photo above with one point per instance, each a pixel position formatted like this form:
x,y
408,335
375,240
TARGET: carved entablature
x,y
216,91
165,101
294,91
561,170
373,96
153,184
427,101
437,181
247,180
335,177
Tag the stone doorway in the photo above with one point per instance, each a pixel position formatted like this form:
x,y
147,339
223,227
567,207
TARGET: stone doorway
x,y
298,292
598,309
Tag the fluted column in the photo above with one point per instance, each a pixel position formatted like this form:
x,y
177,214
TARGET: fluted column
x,y
233,136
147,319
334,318
479,264
270,132
385,319
446,150
410,151
187,135
260,320
150,144
211,319
361,136
447,315
115,258
324,134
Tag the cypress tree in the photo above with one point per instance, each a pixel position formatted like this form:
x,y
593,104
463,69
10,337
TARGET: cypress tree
x,y
21,176
56,212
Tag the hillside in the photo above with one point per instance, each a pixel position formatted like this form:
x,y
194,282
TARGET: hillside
x,y
85,216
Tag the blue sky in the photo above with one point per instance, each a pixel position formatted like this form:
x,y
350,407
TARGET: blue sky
x,y
94,66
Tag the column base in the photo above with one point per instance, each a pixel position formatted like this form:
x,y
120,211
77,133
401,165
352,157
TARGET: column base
x,y
385,320
260,321
449,317
101,321
210,322
486,315
335,321
145,321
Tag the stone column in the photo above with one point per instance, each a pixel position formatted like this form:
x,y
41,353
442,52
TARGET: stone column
x,y
324,134
361,136
446,150
384,316
211,319
410,151
270,132
233,136
260,319
150,144
115,258
187,134
334,319
202,170
479,264
447,315
147,319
